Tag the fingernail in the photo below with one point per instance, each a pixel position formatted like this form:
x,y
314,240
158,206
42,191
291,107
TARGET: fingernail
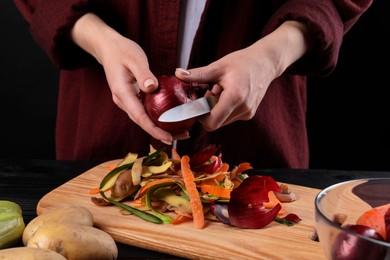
x,y
183,71
149,83
166,142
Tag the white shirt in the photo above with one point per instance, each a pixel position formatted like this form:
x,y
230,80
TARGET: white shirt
x,y
190,13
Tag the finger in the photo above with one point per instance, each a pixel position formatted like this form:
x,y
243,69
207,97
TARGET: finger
x,y
129,102
217,89
181,136
147,81
139,66
202,74
229,108
238,117
140,117
222,110
210,123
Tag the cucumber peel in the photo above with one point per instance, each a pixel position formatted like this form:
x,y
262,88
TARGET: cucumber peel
x,y
11,223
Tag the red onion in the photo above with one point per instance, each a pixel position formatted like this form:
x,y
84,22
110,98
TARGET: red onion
x,y
170,93
246,209
351,247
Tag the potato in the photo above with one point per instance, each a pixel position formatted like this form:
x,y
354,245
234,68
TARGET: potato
x,y
27,253
64,214
75,241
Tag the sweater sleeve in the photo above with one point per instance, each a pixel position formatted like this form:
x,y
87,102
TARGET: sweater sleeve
x,y
328,21
50,23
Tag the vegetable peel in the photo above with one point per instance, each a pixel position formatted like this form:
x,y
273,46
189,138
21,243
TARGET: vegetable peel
x,y
182,188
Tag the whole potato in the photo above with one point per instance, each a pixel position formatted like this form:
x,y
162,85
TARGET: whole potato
x,y
64,214
29,253
75,241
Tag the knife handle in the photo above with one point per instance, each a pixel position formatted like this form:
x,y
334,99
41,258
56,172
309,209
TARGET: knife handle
x,y
212,99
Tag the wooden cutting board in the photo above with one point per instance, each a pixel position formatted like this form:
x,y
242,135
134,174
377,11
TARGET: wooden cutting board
x,y
216,240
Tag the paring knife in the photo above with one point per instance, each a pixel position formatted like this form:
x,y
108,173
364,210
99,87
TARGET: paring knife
x,y
189,110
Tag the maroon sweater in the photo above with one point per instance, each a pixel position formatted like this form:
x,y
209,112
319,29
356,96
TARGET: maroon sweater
x,y
91,127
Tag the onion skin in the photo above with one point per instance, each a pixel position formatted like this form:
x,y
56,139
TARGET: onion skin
x,y
292,218
171,92
220,210
351,247
246,209
203,155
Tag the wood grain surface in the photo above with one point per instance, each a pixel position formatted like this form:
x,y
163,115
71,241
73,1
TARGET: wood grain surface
x,y
215,241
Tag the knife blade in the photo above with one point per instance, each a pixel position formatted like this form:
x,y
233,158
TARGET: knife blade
x,y
188,110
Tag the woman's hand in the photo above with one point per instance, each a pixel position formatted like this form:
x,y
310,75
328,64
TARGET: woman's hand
x,y
242,78
126,67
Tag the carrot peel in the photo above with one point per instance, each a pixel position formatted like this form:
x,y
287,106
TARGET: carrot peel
x,y
195,202
215,190
375,218
273,201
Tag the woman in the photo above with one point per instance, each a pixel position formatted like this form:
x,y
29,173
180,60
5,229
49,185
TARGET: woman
x,y
257,54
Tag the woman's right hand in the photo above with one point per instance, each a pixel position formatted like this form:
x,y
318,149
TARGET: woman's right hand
x,y
126,67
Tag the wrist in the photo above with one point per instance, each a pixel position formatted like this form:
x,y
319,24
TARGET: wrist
x,y
288,43
93,35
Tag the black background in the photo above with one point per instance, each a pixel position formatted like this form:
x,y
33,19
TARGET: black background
x,y
348,111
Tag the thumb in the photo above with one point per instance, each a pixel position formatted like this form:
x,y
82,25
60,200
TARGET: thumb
x,y
147,82
200,75
150,84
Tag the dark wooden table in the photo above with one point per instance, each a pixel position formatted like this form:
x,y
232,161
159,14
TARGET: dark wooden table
x,y
27,181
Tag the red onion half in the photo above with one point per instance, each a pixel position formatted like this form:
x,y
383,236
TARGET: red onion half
x,y
351,247
170,93
246,209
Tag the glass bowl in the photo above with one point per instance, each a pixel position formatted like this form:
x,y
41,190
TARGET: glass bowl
x,y
342,204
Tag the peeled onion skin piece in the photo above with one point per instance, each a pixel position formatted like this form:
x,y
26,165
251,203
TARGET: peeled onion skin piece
x,y
220,210
171,92
351,247
202,156
254,189
251,216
